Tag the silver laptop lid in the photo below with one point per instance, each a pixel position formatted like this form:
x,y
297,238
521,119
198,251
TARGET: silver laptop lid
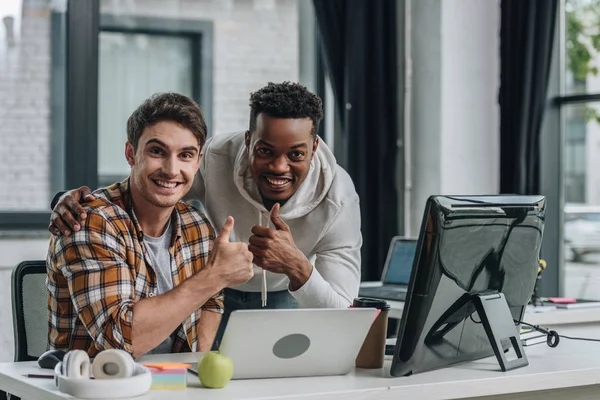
x,y
399,261
295,342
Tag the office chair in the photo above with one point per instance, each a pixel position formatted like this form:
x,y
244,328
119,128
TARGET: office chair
x,y
30,312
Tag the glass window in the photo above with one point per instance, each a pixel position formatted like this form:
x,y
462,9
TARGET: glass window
x,y
581,123
582,201
32,44
582,52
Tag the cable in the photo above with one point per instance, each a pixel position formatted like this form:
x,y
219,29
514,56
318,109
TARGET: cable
x,y
553,338
581,338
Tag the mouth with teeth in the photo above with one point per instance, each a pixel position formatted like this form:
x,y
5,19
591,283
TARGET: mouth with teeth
x,y
277,183
166,185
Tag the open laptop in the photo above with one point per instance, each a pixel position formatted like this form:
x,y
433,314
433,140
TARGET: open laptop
x,y
396,271
295,342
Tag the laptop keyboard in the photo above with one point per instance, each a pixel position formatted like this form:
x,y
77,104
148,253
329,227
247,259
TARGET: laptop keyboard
x,y
382,292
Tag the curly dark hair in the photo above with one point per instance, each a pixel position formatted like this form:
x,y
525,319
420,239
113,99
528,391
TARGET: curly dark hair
x,y
286,100
166,107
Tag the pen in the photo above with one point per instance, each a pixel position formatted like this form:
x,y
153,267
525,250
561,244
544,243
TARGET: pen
x,y
39,376
264,288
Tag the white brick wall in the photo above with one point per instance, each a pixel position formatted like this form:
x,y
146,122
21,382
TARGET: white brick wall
x,y
25,113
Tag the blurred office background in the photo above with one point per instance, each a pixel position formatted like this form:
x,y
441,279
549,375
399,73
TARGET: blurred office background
x,y
421,97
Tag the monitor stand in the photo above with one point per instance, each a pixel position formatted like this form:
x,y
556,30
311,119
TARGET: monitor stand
x,y
496,319
500,328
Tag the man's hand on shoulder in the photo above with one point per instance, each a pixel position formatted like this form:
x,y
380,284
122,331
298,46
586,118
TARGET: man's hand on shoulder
x,y
231,263
276,251
68,213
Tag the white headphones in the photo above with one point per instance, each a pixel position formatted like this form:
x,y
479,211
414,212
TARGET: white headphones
x,y
115,375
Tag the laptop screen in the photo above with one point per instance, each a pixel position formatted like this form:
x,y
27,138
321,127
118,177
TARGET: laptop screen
x,y
400,262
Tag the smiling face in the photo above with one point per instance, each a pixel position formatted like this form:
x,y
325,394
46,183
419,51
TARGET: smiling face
x,y
164,164
280,151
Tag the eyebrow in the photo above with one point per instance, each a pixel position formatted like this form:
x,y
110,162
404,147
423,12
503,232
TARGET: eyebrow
x,y
262,142
162,144
296,146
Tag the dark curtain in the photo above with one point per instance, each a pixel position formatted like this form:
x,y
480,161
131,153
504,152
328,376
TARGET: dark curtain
x,y
526,35
359,46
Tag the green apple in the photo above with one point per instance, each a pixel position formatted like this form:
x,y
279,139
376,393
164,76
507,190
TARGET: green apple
x,y
215,370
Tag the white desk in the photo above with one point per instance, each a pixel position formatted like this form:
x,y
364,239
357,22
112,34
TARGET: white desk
x,y
571,371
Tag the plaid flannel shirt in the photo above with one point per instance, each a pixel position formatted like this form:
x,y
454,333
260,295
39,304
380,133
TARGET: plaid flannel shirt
x,y
96,275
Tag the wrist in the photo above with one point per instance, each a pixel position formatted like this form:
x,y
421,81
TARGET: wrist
x,y
57,197
299,273
208,280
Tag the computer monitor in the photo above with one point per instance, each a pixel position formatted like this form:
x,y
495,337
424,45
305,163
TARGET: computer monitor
x,y
469,247
399,263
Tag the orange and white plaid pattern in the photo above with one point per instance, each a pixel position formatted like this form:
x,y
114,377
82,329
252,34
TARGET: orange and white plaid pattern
x,y
96,275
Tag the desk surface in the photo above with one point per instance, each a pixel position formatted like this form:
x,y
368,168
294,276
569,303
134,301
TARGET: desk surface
x,y
571,365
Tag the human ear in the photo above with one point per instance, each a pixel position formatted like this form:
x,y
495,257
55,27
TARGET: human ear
x,y
130,154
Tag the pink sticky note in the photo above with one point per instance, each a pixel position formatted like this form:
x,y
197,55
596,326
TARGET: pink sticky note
x,y
562,300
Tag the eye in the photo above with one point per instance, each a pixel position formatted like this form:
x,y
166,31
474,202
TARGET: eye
x,y
296,155
263,151
155,151
187,155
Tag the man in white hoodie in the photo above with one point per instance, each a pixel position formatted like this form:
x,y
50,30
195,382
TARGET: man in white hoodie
x,y
293,204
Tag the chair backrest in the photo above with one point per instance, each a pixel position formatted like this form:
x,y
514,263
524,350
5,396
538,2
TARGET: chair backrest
x,y
30,309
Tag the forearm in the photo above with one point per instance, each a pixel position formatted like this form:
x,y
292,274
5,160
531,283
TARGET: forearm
x,y
335,278
320,294
333,283
209,324
155,318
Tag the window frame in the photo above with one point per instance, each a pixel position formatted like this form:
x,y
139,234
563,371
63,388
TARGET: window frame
x,y
74,101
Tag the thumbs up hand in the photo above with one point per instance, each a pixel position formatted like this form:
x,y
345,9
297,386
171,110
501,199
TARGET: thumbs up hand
x,y
276,251
232,261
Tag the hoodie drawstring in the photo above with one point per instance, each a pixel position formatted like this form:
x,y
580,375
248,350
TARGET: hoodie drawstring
x,y
263,288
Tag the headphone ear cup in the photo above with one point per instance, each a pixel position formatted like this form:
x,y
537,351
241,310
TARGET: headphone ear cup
x,y
76,364
113,363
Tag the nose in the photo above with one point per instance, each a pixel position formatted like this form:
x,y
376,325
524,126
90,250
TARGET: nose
x,y
171,166
279,165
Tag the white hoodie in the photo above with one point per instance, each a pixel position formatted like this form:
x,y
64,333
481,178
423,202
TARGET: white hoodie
x,y
323,216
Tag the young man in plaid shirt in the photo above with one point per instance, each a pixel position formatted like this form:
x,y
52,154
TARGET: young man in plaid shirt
x,y
145,272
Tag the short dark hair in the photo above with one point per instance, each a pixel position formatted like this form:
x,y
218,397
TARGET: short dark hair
x,y
166,107
286,100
